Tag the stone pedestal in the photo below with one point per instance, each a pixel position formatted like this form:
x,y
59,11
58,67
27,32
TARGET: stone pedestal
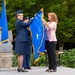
x,y
6,55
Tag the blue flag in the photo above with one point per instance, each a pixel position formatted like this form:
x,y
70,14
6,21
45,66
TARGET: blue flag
x,y
0,21
4,23
37,30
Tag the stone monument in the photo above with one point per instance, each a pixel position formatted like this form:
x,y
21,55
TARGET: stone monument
x,y
6,52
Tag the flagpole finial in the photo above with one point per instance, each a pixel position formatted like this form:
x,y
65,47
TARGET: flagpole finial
x,y
42,9
5,2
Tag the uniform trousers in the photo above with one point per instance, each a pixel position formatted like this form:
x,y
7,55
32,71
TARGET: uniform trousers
x,y
27,56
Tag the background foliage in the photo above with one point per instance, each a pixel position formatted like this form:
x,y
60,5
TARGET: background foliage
x,y
66,59
65,10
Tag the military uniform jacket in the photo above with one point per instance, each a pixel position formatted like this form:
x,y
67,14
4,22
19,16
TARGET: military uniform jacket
x,y
22,31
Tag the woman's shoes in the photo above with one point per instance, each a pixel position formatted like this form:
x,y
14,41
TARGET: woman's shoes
x,y
21,70
47,70
28,67
50,70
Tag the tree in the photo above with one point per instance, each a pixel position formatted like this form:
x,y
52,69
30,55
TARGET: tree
x,y
66,25
65,10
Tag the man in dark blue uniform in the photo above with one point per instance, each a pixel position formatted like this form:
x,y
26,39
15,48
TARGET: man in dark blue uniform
x,y
22,38
27,56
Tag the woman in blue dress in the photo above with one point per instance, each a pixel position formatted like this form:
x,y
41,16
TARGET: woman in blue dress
x,y
21,38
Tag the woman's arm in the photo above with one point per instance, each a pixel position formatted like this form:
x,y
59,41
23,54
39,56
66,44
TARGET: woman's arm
x,y
24,24
45,23
50,26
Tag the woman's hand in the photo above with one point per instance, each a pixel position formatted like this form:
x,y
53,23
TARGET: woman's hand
x,y
43,20
45,23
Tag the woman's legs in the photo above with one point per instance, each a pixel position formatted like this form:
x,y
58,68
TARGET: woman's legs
x,y
20,64
48,52
20,61
51,46
52,55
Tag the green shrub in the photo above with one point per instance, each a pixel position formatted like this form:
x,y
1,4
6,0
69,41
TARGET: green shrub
x,y
15,62
40,62
67,59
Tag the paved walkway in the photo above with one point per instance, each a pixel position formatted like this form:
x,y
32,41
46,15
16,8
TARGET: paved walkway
x,y
39,71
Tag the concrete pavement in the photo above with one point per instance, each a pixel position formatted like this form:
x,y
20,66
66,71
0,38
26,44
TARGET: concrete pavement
x,y
39,71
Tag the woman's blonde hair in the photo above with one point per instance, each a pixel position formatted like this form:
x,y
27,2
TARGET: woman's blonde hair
x,y
54,16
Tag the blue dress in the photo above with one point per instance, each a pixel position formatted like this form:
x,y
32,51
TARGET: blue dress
x,y
22,37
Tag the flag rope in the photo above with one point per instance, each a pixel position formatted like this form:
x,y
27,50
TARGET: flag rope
x,y
4,41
